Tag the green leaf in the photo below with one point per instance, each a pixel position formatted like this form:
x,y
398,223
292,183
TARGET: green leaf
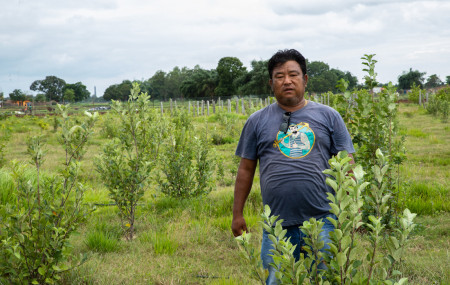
x,y
42,270
334,209
392,107
394,241
358,172
341,259
332,183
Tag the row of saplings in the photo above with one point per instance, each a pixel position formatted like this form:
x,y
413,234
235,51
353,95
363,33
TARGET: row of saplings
x,y
349,260
46,209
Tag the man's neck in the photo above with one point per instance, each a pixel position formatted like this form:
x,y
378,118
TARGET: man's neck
x,y
291,109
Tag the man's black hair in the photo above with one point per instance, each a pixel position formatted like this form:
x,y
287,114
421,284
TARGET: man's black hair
x,y
283,56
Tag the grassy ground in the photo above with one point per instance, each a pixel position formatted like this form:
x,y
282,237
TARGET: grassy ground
x,y
190,242
425,175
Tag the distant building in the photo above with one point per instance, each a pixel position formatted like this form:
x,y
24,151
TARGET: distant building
x,y
377,90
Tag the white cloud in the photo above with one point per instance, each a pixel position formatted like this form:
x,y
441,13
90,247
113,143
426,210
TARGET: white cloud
x,y
102,42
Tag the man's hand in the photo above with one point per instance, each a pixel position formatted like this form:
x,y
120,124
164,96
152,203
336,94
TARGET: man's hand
x,y
244,180
238,225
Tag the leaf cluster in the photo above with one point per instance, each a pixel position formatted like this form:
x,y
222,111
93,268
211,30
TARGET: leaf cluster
x,y
372,121
188,168
35,246
344,265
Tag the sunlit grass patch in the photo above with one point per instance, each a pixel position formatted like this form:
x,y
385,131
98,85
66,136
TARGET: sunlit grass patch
x,y
427,199
418,133
99,196
223,223
162,244
100,241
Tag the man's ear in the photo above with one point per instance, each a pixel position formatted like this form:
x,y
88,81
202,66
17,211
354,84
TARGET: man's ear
x,y
305,78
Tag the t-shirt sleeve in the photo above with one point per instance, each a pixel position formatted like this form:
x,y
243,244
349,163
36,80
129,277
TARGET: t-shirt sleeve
x,y
340,137
247,147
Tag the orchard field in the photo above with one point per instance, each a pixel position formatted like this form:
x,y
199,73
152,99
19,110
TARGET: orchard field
x,y
180,240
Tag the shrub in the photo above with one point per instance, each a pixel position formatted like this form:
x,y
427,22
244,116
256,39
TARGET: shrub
x,y
37,227
415,93
127,161
188,168
439,104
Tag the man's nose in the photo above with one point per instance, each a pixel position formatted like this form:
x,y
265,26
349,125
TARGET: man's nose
x,y
287,80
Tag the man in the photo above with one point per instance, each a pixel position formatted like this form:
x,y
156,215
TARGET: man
x,y
293,139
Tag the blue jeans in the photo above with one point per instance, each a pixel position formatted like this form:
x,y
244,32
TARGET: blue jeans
x,y
297,237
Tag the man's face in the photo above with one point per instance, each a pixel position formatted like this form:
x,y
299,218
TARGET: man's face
x,y
288,83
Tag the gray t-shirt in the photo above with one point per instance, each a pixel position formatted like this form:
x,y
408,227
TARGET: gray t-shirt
x,y
291,164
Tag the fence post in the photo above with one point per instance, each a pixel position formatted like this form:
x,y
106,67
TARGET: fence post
x,y
162,109
189,107
237,106
207,104
214,106
198,109
170,100
229,105
420,97
176,107
203,107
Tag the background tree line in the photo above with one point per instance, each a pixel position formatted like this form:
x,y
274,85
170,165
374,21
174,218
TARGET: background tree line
x,y
229,78
52,88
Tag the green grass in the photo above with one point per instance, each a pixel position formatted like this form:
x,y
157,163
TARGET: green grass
x,y
427,199
162,244
102,242
190,241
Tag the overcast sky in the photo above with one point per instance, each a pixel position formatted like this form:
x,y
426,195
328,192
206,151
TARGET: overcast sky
x,y
102,42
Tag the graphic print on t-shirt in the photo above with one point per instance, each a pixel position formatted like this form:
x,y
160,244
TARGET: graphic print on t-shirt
x,y
297,142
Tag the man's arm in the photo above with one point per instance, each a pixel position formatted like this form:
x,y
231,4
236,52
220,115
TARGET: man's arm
x,y
244,181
